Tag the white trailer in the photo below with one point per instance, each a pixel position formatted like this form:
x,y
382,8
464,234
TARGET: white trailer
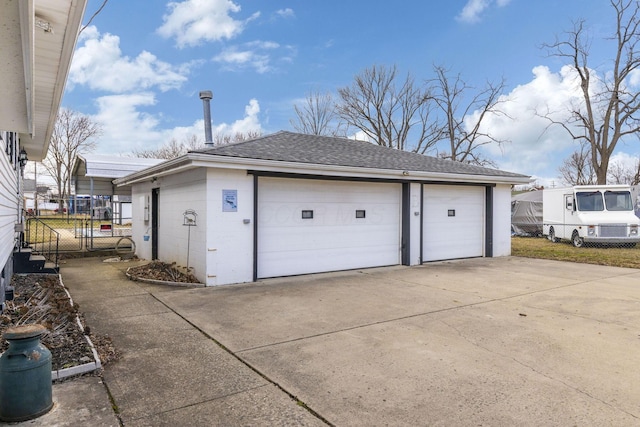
x,y
590,213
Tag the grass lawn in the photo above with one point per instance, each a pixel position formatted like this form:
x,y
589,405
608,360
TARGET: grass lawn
x,y
62,221
536,247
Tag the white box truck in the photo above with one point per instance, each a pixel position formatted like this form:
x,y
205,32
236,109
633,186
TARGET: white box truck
x,y
590,214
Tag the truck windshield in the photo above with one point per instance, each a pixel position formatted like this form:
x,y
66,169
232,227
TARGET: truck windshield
x,y
618,200
590,201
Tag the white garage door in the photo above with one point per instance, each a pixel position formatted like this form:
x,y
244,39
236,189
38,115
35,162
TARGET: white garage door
x,y
454,218
346,225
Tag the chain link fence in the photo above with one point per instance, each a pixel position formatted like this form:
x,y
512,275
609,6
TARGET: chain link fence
x,y
79,227
599,235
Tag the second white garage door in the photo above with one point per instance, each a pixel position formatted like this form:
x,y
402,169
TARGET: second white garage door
x,y
310,226
453,222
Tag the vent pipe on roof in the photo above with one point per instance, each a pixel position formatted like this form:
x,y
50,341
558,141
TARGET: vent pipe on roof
x,y
206,96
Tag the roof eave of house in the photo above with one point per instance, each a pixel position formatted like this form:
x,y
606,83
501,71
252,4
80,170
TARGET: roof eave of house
x,y
194,160
37,63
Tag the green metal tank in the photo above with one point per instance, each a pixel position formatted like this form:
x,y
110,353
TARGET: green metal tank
x,y
25,375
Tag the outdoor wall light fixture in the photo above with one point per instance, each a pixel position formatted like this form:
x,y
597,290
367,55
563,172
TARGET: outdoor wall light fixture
x,y
22,159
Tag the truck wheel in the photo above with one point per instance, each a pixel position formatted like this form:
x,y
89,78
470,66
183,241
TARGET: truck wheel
x,y
552,235
576,240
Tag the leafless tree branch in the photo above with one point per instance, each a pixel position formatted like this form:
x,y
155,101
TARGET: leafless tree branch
x,y
73,134
464,116
609,108
390,112
318,116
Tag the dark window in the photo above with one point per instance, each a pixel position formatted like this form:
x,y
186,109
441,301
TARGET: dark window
x,y
618,200
307,214
360,213
451,212
590,201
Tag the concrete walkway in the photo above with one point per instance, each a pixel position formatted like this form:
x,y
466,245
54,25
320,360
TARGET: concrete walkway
x,y
505,341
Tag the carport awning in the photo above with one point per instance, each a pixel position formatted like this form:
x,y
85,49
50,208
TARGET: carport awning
x,y
94,174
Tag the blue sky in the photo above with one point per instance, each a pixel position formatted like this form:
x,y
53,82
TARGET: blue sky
x,y
139,67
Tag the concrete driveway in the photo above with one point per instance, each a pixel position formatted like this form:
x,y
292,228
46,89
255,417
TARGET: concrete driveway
x,y
504,341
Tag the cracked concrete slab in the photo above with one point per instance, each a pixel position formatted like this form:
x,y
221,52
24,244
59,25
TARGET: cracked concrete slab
x,y
506,341
490,341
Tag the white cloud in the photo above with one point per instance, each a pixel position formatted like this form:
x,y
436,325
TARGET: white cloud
x,y
472,11
534,142
627,160
257,55
536,146
286,13
192,22
250,121
102,52
127,127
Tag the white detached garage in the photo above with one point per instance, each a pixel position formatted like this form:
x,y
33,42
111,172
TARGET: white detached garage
x,y
288,204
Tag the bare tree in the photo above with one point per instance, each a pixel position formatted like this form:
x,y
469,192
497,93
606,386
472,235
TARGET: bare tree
x,y
318,116
73,134
577,168
174,148
619,173
608,110
171,149
390,114
221,139
464,115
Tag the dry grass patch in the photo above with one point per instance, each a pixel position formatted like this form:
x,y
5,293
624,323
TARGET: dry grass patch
x,y
532,247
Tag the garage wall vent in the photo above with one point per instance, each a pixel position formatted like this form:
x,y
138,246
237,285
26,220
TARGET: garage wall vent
x,y
307,214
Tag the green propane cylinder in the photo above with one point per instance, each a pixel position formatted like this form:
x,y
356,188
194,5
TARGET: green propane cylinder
x,y
25,375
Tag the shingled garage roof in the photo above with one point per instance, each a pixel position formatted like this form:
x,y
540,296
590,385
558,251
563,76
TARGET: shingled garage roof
x,y
323,150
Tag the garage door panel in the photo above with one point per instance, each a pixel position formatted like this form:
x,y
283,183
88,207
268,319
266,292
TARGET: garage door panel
x,y
453,222
281,214
334,239
317,237
325,259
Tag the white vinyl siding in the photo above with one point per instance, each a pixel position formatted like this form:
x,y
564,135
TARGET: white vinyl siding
x,y
8,197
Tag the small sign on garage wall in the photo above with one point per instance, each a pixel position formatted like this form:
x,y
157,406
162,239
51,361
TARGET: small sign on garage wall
x,y
229,200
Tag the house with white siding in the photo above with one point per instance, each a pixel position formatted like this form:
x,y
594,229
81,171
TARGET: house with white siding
x,y
288,204
37,40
